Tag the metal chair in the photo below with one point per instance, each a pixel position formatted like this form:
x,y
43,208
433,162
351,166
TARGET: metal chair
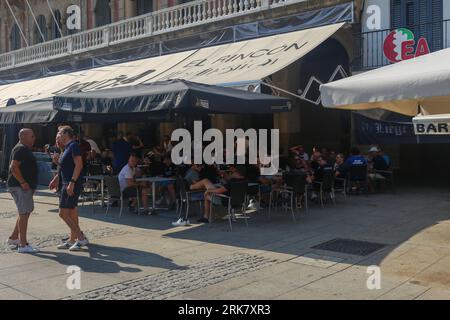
x,y
340,185
388,177
187,197
326,186
357,175
254,190
114,193
295,186
236,200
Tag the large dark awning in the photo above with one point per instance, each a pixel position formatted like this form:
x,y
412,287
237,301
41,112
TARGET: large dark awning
x,y
180,96
42,111
39,111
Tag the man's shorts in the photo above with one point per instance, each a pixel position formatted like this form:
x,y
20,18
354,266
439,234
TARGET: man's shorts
x,y
70,202
165,183
23,199
129,192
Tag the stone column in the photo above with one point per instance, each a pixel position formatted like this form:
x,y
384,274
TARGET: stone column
x,y
130,8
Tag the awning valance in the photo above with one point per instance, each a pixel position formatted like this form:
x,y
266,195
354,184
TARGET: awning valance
x,y
179,96
245,61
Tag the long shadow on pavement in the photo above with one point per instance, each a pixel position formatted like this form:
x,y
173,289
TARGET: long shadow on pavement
x,y
106,259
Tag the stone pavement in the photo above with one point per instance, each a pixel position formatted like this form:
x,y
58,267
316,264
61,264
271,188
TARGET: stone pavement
x,y
144,257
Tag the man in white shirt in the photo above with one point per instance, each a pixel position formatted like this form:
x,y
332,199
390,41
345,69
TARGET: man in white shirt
x,y
129,186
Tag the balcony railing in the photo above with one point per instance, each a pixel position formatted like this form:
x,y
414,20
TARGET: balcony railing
x,y
370,45
174,18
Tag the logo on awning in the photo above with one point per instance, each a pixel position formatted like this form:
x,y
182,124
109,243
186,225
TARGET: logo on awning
x,y
399,46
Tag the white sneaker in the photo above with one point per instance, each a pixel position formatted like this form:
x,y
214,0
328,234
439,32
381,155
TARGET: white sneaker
x,y
65,245
11,242
27,249
79,244
253,205
180,222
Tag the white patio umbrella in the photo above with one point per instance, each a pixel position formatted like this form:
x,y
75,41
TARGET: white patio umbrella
x,y
419,85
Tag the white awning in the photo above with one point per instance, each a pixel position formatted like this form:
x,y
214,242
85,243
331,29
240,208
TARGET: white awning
x,y
241,62
432,124
402,87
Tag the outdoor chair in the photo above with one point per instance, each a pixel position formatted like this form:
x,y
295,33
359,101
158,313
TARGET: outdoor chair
x,y
326,186
254,191
187,197
293,192
236,200
114,193
357,178
388,176
340,185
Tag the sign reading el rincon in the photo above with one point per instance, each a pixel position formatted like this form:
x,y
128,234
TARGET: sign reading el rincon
x,y
400,45
230,63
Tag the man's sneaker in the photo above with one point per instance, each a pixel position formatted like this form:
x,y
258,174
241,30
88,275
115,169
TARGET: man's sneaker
x,y
180,222
203,220
11,242
27,249
65,245
253,205
79,244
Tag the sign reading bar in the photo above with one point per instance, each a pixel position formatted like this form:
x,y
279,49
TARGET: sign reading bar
x,y
432,125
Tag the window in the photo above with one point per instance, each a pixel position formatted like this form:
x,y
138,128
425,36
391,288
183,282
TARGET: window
x,y
423,17
15,39
42,23
144,6
55,31
102,13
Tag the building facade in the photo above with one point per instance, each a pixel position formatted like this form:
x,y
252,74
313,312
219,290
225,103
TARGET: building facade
x,y
113,30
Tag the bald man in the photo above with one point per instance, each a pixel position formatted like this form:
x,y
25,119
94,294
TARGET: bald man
x,y
22,182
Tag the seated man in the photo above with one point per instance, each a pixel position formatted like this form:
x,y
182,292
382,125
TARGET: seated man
x,y
130,187
356,160
237,174
376,162
340,168
323,166
192,176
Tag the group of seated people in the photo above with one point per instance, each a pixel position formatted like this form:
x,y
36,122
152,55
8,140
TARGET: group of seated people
x,y
374,166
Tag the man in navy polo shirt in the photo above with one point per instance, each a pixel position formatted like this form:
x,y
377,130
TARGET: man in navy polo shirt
x,y
71,166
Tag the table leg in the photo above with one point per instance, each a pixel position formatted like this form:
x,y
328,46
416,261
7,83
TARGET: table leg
x,y
153,209
102,187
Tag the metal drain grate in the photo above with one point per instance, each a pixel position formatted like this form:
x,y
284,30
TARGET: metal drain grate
x,y
355,247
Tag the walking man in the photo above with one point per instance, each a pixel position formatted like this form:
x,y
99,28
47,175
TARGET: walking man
x,y
71,165
22,182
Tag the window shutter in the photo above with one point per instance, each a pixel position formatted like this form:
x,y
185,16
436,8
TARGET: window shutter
x,y
397,14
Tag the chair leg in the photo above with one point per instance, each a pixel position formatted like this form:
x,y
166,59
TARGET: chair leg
x,y
121,208
229,217
245,217
292,206
305,196
210,212
270,203
187,209
321,197
107,207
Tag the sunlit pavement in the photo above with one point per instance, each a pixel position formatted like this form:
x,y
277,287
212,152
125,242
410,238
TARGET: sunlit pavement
x,y
144,257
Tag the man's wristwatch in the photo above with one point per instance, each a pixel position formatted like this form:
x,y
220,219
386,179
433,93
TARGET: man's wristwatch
x,y
22,183
72,180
